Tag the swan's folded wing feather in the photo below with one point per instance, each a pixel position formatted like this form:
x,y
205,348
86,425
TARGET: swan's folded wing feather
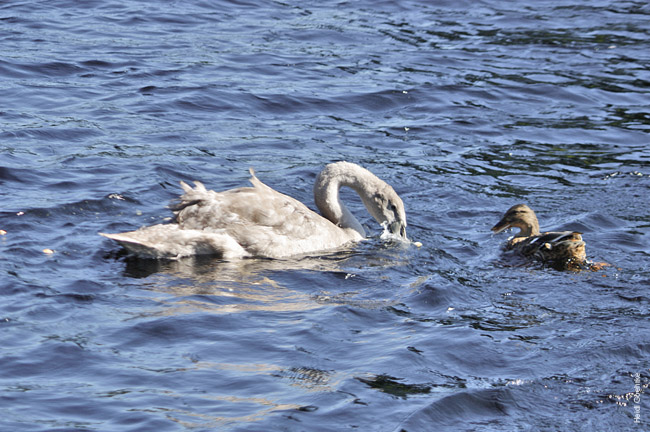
x,y
244,211
168,241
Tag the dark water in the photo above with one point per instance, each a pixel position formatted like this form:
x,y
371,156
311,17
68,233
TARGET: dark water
x,y
465,107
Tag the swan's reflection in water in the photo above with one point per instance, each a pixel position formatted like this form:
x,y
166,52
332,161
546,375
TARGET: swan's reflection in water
x,y
263,323
207,268
299,284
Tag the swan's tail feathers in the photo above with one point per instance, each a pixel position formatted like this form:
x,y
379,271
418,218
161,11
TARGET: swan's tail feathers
x,y
135,246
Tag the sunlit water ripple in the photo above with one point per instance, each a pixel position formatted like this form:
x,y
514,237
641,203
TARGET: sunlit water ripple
x,y
466,108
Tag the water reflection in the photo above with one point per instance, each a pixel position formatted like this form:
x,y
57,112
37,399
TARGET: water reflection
x,y
207,268
207,284
263,408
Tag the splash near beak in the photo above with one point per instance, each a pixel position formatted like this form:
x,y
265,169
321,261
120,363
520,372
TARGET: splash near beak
x,y
398,228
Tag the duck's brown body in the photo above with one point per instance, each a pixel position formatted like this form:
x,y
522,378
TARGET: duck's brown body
x,y
561,250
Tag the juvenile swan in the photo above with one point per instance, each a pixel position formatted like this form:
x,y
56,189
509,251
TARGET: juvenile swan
x,y
261,222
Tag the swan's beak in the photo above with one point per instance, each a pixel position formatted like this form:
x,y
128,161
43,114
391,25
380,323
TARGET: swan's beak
x,y
398,228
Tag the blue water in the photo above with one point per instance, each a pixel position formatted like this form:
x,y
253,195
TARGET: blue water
x,y
465,107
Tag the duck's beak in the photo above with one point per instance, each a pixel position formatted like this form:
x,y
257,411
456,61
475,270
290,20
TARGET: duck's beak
x,y
398,228
502,225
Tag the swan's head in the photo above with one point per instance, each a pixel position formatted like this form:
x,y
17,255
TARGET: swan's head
x,y
388,209
519,216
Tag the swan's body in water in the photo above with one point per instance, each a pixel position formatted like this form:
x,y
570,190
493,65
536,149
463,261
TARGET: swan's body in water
x,y
261,222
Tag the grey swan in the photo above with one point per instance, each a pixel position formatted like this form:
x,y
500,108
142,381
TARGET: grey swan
x,y
258,221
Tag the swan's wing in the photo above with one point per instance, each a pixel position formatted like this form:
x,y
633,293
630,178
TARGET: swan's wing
x,y
168,241
262,221
253,214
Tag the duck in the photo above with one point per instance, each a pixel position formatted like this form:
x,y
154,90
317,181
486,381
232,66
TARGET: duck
x,y
561,250
261,222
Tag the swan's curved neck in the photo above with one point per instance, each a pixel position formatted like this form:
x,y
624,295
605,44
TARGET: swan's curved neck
x,y
326,192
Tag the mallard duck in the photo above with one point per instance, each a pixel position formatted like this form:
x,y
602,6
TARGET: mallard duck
x,y
562,250
261,222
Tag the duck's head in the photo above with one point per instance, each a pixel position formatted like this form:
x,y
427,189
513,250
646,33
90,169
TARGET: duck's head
x,y
519,216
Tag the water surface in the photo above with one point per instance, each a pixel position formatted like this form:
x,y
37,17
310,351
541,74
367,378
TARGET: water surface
x,y
466,108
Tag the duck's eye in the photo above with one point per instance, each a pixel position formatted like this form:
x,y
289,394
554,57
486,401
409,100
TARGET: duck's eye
x,y
392,207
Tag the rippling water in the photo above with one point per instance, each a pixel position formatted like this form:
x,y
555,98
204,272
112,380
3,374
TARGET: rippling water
x,y
466,108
